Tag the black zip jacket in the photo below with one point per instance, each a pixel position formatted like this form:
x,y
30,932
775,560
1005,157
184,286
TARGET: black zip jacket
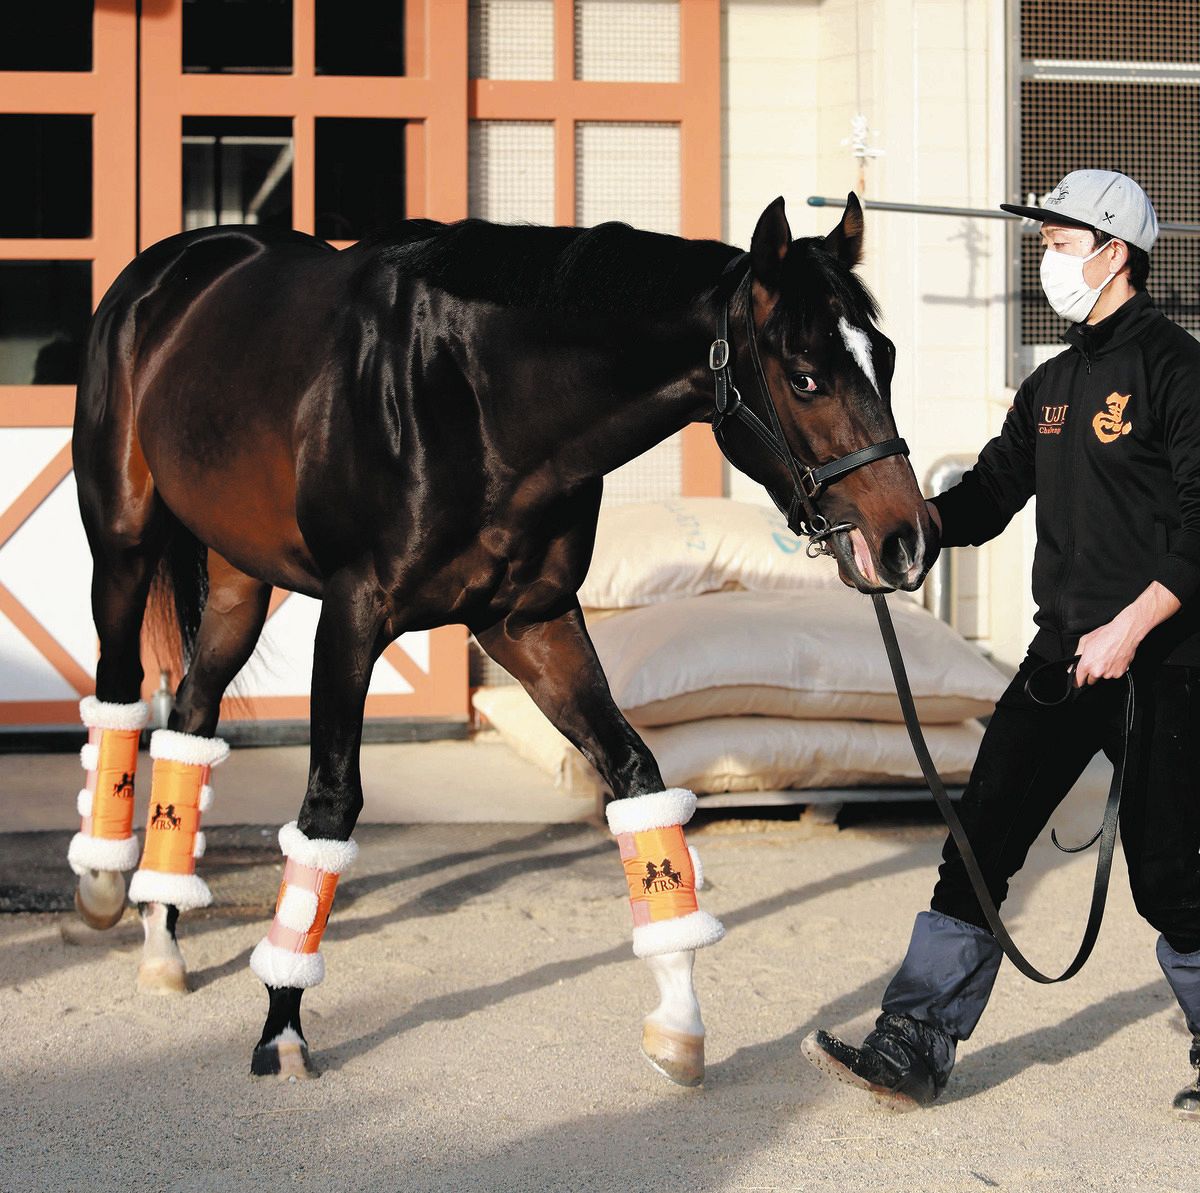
x,y
1107,434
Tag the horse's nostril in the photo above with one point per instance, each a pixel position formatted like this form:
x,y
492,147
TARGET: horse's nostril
x,y
900,550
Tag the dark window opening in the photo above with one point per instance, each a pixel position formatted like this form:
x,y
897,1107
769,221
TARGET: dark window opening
x,y
44,311
237,36
54,36
360,37
360,176
47,187
237,170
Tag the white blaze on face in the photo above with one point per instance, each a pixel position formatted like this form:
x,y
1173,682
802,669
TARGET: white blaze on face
x,y
858,344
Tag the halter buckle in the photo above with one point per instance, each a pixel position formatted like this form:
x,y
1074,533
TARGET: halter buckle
x,y
810,484
718,355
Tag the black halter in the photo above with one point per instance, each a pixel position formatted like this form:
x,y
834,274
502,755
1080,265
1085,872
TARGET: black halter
x,y
803,517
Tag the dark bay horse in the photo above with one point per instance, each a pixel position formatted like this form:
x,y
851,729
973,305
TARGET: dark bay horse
x,y
415,431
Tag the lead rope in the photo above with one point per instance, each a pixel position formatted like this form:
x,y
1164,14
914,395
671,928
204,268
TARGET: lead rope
x,y
1107,834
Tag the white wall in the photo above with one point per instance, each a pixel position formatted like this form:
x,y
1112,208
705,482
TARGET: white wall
x,y
930,76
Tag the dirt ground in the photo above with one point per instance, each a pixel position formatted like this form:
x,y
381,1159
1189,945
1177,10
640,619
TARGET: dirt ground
x,y
479,1027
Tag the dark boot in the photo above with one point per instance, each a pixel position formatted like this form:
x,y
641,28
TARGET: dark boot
x,y
1187,1101
904,1063
935,1000
1182,971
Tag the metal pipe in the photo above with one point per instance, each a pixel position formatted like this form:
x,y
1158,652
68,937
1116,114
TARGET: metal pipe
x,y
976,213
940,589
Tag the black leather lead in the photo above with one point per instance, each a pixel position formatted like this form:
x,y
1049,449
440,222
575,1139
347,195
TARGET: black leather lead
x,y
1108,829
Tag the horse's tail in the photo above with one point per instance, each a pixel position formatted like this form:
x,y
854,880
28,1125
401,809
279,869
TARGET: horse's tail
x,y
178,595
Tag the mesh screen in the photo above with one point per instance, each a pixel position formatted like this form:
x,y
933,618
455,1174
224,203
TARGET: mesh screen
x,y
511,39
652,476
1146,129
1113,31
627,172
627,41
511,171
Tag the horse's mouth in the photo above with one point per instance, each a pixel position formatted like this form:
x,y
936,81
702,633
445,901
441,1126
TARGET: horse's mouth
x,y
856,564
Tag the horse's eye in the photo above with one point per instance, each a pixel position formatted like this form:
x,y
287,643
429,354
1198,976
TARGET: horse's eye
x,y
802,383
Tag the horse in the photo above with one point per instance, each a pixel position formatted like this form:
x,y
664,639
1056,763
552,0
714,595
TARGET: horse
x,y
415,431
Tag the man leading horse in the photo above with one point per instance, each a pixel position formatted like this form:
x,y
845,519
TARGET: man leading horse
x,y
1107,434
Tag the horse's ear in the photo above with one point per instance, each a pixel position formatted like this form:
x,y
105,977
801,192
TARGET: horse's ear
x,y
845,242
769,245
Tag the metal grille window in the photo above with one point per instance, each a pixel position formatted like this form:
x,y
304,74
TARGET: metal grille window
x,y
634,41
628,172
511,39
511,175
1113,87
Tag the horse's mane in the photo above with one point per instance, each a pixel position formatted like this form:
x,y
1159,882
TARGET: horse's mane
x,y
611,269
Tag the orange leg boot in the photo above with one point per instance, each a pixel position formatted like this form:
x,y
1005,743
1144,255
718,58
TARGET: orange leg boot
x,y
663,874
179,793
289,955
105,845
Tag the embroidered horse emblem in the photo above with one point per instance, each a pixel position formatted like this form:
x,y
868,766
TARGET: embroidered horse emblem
x,y
165,818
1107,424
661,878
123,788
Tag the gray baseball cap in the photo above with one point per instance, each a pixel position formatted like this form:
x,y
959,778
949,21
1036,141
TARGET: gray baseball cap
x,y
1101,199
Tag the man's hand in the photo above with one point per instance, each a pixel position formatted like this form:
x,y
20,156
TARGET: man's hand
x,y
1107,651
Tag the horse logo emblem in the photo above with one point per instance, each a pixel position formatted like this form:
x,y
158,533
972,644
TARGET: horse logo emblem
x,y
661,878
123,788
1108,424
165,818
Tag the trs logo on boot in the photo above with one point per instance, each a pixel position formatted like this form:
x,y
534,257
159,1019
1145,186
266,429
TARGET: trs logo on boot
x,y
1107,424
123,788
164,818
661,878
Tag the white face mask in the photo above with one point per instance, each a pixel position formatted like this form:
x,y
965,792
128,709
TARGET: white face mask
x,y
1066,291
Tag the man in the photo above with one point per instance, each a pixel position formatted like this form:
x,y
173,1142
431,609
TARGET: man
x,y
1108,436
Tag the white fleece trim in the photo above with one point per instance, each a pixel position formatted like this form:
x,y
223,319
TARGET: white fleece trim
x,y
96,714
102,853
83,802
697,867
199,845
89,756
661,809
320,853
277,968
185,891
188,748
206,798
297,909
693,931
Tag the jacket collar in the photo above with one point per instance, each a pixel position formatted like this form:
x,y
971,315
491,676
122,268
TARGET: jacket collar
x,y
1096,339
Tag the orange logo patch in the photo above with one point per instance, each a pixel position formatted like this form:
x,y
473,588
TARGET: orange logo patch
x,y
1109,424
1052,420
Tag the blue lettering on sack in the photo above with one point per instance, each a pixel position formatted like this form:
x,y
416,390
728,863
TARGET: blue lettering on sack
x,y
787,546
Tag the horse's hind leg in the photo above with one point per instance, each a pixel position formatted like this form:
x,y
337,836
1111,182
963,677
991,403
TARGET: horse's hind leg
x,y
183,755
126,527
555,661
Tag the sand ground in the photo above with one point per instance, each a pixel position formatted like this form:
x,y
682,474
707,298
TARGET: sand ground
x,y
479,1025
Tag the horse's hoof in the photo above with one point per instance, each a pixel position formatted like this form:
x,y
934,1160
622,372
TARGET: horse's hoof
x,y
286,1059
100,898
165,975
675,1054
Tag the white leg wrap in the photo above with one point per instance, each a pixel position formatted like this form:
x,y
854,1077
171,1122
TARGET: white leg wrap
x,y
286,956
185,891
102,853
662,872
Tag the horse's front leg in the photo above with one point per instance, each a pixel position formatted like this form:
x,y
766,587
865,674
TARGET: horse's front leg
x,y
555,661
317,846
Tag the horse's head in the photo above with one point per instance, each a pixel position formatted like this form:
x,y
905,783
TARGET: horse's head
x,y
828,372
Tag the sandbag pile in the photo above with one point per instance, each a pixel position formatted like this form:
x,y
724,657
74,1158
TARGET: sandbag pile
x,y
747,666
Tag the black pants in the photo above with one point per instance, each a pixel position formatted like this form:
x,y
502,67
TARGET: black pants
x,y
1031,756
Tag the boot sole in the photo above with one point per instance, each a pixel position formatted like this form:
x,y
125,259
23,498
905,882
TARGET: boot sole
x,y
820,1059
1190,1116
